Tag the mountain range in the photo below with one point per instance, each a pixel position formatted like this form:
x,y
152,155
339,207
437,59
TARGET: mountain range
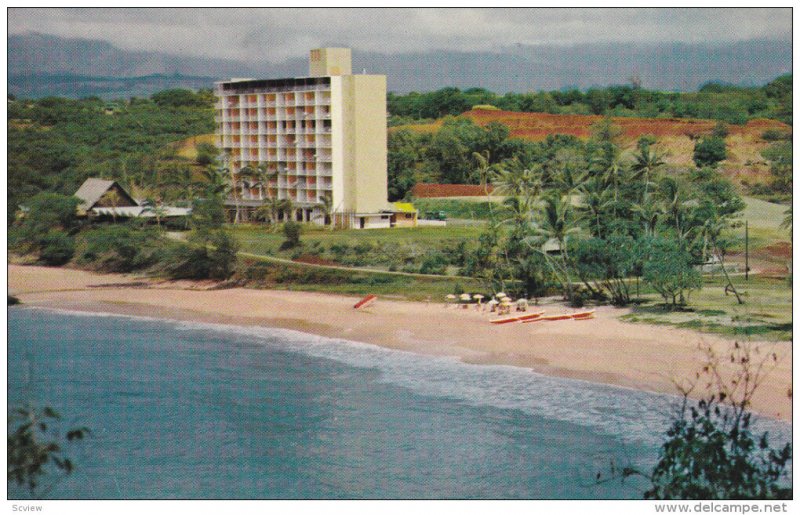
x,y
43,65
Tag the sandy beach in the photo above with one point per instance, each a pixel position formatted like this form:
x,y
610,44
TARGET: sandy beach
x,y
603,350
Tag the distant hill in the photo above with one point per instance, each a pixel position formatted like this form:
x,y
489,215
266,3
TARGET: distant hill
x,y
44,54
79,86
42,65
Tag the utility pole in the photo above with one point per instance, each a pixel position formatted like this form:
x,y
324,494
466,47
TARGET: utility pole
x,y
746,251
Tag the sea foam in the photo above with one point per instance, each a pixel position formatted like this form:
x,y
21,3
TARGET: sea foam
x,y
631,415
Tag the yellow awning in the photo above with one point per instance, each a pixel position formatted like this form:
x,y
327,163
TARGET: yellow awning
x,y
404,207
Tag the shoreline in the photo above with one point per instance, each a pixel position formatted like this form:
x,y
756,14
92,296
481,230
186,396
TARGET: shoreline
x,y
603,350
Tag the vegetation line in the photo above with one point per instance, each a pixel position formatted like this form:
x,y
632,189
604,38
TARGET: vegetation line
x,y
350,268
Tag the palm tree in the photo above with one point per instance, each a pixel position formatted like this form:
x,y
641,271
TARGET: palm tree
x,y
269,211
648,213
157,210
710,232
787,220
674,206
326,205
249,178
646,161
216,180
558,222
595,204
514,179
287,207
265,175
570,180
608,164
519,212
484,170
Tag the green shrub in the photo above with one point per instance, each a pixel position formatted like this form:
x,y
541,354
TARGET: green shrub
x,y
119,248
436,264
46,227
56,248
207,255
710,151
668,269
291,231
776,135
206,154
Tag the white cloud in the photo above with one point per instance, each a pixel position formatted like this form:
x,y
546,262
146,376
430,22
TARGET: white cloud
x,y
278,34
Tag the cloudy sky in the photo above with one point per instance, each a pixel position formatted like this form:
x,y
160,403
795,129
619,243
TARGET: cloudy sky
x,y
279,34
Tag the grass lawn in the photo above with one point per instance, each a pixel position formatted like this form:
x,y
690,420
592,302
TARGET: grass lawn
x,y
398,249
764,220
765,315
261,273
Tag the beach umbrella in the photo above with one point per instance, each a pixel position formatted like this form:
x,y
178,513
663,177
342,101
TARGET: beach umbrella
x,y
450,296
478,297
492,302
465,297
500,295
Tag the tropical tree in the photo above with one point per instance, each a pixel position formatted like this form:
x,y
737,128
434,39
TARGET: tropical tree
x,y
152,205
668,269
515,179
569,171
270,211
614,172
326,206
718,210
675,206
605,264
557,222
248,178
646,161
286,206
648,214
266,173
709,151
597,202
711,233
216,181
787,220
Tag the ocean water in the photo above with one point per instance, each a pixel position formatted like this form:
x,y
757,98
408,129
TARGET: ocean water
x,y
187,410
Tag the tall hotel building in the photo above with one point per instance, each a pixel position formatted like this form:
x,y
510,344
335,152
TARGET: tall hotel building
x,y
322,136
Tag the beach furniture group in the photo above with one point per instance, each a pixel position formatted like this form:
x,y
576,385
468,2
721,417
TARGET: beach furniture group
x,y
502,305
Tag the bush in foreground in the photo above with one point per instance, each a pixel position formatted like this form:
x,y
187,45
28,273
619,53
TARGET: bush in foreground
x,y
120,248
207,255
711,450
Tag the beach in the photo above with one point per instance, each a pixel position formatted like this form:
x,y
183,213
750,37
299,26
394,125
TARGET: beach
x,y
603,350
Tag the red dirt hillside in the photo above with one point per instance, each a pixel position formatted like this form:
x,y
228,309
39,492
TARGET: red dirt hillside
x,y
675,135
537,126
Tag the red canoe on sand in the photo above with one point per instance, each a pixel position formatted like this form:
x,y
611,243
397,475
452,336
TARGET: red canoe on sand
x,y
366,301
583,315
506,320
518,318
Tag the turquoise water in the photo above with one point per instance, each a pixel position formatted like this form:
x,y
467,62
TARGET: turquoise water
x,y
180,410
